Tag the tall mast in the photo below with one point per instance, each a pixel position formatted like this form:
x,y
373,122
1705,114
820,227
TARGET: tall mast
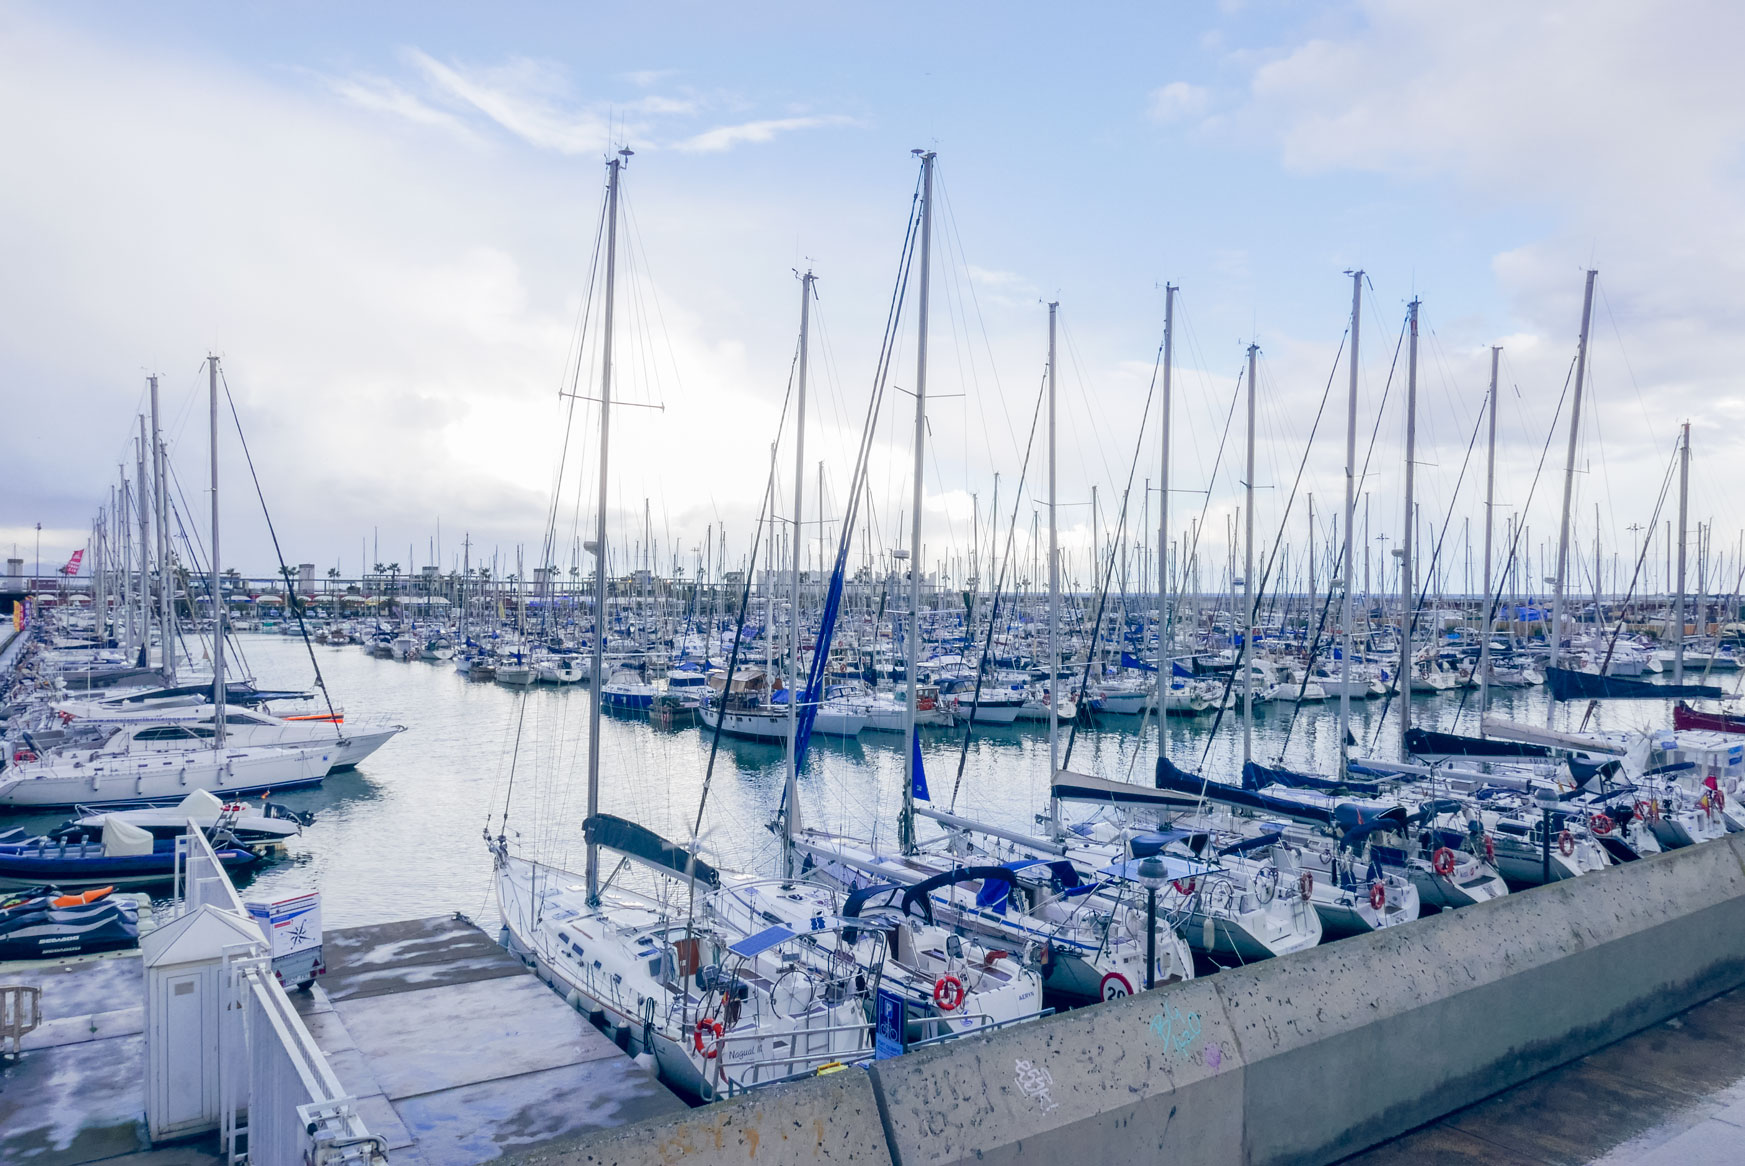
x,y
1053,596
218,620
1484,610
1348,616
1247,660
613,167
1165,620
790,797
1683,508
1587,307
166,579
144,549
906,825
1408,577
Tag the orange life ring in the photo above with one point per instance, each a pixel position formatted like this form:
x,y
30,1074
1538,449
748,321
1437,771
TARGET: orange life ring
x,y
1306,885
948,993
711,1026
1442,862
1378,895
1181,890
1566,843
1600,824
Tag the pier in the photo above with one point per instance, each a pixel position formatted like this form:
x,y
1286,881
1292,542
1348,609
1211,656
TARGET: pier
x,y
454,1053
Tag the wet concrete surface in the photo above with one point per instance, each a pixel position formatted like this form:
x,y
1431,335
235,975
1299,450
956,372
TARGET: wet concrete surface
x,y
455,1052
1671,1095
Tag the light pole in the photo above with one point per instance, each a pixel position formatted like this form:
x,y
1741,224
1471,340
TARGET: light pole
x,y
1152,874
38,573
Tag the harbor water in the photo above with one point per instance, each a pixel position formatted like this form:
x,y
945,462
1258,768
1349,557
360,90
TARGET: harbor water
x,y
402,836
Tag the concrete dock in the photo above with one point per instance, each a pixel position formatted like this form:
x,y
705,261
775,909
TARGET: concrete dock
x,y
456,1053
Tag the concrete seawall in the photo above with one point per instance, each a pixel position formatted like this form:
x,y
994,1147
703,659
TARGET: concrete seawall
x,y
1306,1058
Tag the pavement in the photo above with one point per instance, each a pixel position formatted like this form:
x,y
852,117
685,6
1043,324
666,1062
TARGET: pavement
x,y
455,1053
1671,1095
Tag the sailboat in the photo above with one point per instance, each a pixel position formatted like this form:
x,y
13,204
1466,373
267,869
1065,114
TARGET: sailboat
x,y
719,1000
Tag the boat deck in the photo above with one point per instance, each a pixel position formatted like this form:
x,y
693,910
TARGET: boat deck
x,y
457,1054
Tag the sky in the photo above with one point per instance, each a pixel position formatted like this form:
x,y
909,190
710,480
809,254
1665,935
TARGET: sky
x,y
383,221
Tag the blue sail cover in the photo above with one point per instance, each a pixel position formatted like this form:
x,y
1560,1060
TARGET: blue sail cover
x,y
920,779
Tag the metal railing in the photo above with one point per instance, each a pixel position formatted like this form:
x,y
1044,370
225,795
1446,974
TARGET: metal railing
x,y
200,878
298,1114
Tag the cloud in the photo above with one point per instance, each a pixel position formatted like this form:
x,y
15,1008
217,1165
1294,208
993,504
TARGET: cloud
x,y
512,98
381,96
1178,101
726,137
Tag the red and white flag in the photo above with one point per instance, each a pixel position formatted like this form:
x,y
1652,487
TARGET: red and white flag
x,y
72,567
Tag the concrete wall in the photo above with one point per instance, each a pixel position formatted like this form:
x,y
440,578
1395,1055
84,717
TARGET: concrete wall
x,y
1315,1056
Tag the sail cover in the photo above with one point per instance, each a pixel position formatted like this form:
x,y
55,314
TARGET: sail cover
x,y
1567,684
644,845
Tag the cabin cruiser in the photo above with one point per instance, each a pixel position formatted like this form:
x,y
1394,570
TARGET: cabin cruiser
x,y
180,727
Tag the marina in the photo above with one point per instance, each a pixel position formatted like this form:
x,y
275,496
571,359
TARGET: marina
x,y
618,655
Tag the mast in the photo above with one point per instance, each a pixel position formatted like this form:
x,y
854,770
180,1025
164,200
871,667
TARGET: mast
x,y
614,167
166,580
906,824
1165,622
1587,308
1683,508
1484,610
1408,578
217,579
1053,596
791,795
144,550
1348,616
1247,659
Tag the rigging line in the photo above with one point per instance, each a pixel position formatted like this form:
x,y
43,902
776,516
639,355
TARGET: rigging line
x,y
284,568
578,342
1641,560
1514,547
999,584
1411,618
1114,551
1272,556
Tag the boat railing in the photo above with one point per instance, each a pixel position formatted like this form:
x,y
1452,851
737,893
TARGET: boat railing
x,y
749,1075
989,1025
200,877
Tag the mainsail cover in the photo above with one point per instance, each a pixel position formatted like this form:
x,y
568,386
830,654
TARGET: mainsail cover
x,y
644,845
1568,684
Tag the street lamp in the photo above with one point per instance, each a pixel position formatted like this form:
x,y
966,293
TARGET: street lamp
x,y
1151,875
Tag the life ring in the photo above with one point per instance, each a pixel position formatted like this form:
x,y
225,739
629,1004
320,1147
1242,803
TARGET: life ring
x,y
1115,986
1647,811
24,755
1181,890
948,993
1306,885
712,1027
1600,824
1566,843
1490,849
1378,895
1443,861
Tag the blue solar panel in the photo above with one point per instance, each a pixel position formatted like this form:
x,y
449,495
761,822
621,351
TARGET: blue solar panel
x,y
761,942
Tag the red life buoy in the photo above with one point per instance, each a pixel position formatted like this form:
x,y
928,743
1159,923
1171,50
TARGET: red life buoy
x,y
948,993
712,1028
1600,824
1490,849
1378,895
24,755
1306,884
1443,861
1181,890
1566,843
